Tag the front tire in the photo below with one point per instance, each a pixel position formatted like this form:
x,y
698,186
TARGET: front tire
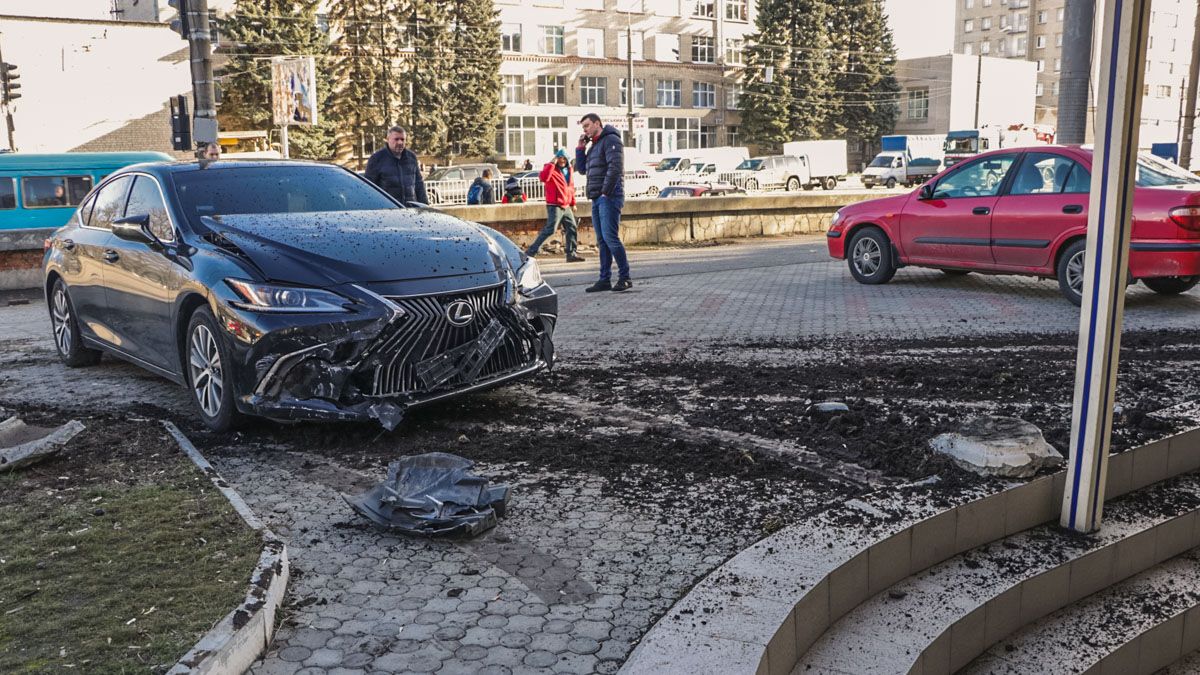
x,y
206,362
870,257
1171,285
1070,272
793,184
891,183
67,339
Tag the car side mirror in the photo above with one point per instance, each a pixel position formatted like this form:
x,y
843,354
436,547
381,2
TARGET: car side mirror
x,y
926,192
135,228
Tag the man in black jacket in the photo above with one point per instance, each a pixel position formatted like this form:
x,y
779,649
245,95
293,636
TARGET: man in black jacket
x,y
396,170
604,165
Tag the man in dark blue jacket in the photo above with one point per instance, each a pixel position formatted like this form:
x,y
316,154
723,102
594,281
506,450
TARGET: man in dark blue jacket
x,y
396,170
604,165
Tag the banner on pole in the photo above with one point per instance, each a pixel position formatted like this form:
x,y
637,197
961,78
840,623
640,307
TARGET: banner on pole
x,y
294,90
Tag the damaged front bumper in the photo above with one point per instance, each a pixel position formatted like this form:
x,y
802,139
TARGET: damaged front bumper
x,y
393,352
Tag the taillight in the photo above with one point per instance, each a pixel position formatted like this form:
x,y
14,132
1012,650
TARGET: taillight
x,y
1187,217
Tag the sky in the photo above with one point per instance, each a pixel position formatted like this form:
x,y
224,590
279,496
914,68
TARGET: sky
x,y
921,27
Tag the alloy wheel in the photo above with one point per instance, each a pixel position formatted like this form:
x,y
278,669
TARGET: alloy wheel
x,y
867,256
60,315
204,362
1075,273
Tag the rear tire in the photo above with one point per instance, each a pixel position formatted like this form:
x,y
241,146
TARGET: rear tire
x,y
206,362
830,183
1171,285
1070,272
870,257
67,339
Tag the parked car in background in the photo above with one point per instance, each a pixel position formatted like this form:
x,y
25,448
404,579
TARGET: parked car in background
x,y
638,183
450,184
769,173
700,190
1022,211
292,290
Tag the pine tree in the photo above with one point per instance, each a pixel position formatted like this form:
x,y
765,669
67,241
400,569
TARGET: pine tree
x,y
809,67
474,82
767,94
864,82
421,73
253,33
358,76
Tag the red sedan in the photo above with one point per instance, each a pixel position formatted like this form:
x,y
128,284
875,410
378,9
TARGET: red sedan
x,y
1023,211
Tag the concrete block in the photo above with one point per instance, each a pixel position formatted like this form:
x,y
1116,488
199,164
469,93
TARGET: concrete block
x,y
1030,505
1002,615
781,650
1123,660
935,660
980,522
1092,573
1161,646
811,616
933,540
1174,537
1120,475
889,561
1191,630
848,586
1135,554
1183,456
1149,464
967,638
1044,593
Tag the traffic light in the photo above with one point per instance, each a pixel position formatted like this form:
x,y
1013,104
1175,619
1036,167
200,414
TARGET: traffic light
x,y
180,24
181,124
8,83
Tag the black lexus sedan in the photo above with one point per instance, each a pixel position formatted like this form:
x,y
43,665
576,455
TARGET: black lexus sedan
x,y
292,290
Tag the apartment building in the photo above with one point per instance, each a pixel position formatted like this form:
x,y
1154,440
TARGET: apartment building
x,y
1032,30
942,93
565,58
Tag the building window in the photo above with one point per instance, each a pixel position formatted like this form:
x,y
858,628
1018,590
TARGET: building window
x,y
593,91
1060,13
733,97
591,42
639,92
985,23
510,37
987,3
732,135
708,137
735,51
968,49
918,104
969,26
1163,91
639,39
666,48
669,93
1040,89
737,10
552,39
514,88
552,89
968,4
1041,65
1022,43
705,8
1057,65
985,48
703,49
704,95
1040,42
668,134
519,138
1054,88
1001,47
1042,17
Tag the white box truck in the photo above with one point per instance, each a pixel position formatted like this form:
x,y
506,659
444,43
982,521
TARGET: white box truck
x,y
826,161
905,160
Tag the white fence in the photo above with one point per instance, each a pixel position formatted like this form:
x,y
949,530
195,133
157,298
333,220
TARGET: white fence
x,y
448,192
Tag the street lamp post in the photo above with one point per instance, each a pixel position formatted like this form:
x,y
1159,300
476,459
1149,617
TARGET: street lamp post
x,y
630,137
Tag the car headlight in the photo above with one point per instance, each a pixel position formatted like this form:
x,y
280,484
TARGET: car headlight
x,y
529,276
272,298
837,218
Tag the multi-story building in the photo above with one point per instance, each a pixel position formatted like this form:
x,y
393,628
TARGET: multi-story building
x,y
942,93
1032,30
565,58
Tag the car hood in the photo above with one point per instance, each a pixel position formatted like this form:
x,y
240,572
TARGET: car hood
x,y
337,247
881,206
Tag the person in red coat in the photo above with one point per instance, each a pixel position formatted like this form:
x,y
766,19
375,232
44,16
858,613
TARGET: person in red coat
x,y
560,202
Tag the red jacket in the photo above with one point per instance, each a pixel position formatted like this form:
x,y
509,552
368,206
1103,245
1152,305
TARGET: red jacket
x,y
559,191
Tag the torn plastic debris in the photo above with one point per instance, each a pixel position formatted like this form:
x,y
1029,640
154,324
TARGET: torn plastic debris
x,y
433,494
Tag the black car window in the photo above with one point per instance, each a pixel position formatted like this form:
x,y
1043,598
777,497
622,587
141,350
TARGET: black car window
x,y
85,211
979,178
145,199
1041,173
8,193
51,191
1079,182
110,203
274,189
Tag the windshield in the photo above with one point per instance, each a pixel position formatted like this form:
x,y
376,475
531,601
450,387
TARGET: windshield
x,y
668,164
750,165
881,162
275,189
962,144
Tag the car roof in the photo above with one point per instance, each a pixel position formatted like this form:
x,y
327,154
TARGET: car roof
x,y
26,161
167,168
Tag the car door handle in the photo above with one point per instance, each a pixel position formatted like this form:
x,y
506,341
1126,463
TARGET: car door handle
x,y
1073,208
112,256
981,210
68,245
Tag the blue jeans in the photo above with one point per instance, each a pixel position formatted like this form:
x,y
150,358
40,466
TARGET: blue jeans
x,y
555,214
606,221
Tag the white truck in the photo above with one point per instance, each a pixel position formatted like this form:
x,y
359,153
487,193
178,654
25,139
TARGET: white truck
x,y
905,160
826,161
699,165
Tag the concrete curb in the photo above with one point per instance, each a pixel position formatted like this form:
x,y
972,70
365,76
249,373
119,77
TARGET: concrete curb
x,y
237,641
765,607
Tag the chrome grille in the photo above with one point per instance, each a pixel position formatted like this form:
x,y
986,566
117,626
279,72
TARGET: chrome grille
x,y
425,332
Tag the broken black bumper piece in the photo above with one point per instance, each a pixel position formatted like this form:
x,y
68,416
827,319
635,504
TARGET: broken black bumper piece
x,y
434,494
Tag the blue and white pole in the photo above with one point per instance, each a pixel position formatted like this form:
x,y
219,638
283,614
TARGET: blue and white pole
x,y
1122,61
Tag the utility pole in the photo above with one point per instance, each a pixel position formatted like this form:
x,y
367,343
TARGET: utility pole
x,y
978,88
1076,72
631,139
193,25
1189,110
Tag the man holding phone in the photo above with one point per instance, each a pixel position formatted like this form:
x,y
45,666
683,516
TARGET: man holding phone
x,y
601,156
